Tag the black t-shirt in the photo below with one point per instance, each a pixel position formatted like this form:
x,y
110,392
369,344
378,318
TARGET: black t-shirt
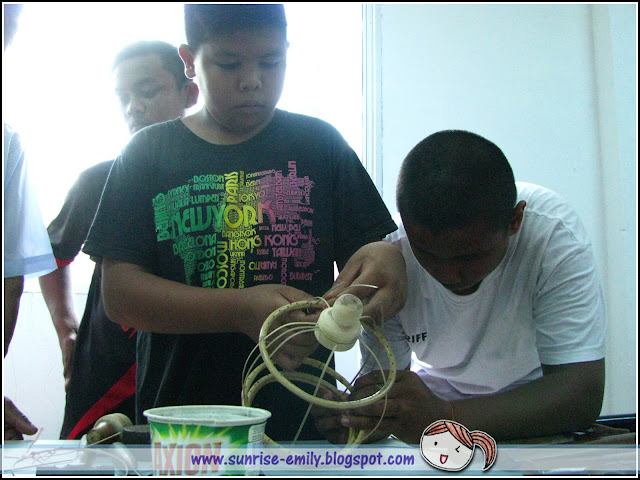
x,y
104,358
280,207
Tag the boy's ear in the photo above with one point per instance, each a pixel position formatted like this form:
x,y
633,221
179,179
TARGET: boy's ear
x,y
188,59
192,94
516,219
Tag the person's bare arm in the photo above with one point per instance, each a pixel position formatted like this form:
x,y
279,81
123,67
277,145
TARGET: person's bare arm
x,y
567,398
13,287
58,295
137,298
16,424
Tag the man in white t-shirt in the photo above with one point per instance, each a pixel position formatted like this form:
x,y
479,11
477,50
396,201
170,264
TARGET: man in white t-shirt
x,y
503,329
26,248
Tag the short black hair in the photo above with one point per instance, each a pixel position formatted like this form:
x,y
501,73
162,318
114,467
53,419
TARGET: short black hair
x,y
204,21
454,178
168,53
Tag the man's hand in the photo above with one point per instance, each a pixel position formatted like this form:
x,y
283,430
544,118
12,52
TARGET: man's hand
x,y
382,265
15,423
328,420
408,409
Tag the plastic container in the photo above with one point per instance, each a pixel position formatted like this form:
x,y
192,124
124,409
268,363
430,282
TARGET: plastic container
x,y
206,439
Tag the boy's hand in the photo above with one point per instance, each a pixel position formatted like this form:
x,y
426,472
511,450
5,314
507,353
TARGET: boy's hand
x,y
15,423
380,264
298,346
410,407
328,420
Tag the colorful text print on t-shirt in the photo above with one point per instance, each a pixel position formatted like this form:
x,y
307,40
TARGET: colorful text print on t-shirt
x,y
238,227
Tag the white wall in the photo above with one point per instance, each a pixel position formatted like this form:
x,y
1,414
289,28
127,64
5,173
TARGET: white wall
x,y
554,87
615,40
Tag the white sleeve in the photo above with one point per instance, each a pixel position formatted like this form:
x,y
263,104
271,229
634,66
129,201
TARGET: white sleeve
x,y
371,349
27,249
569,307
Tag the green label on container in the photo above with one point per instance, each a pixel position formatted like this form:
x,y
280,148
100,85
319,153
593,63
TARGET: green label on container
x,y
180,449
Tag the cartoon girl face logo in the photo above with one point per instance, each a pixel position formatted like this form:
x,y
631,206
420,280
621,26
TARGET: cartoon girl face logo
x,y
445,452
449,446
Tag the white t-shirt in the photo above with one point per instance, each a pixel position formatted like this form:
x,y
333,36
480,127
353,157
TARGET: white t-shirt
x,y
543,304
27,249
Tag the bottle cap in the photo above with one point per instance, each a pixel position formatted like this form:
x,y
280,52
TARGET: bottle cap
x,y
136,435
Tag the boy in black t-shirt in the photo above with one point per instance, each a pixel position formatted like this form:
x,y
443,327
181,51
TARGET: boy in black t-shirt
x,y
210,223
99,356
